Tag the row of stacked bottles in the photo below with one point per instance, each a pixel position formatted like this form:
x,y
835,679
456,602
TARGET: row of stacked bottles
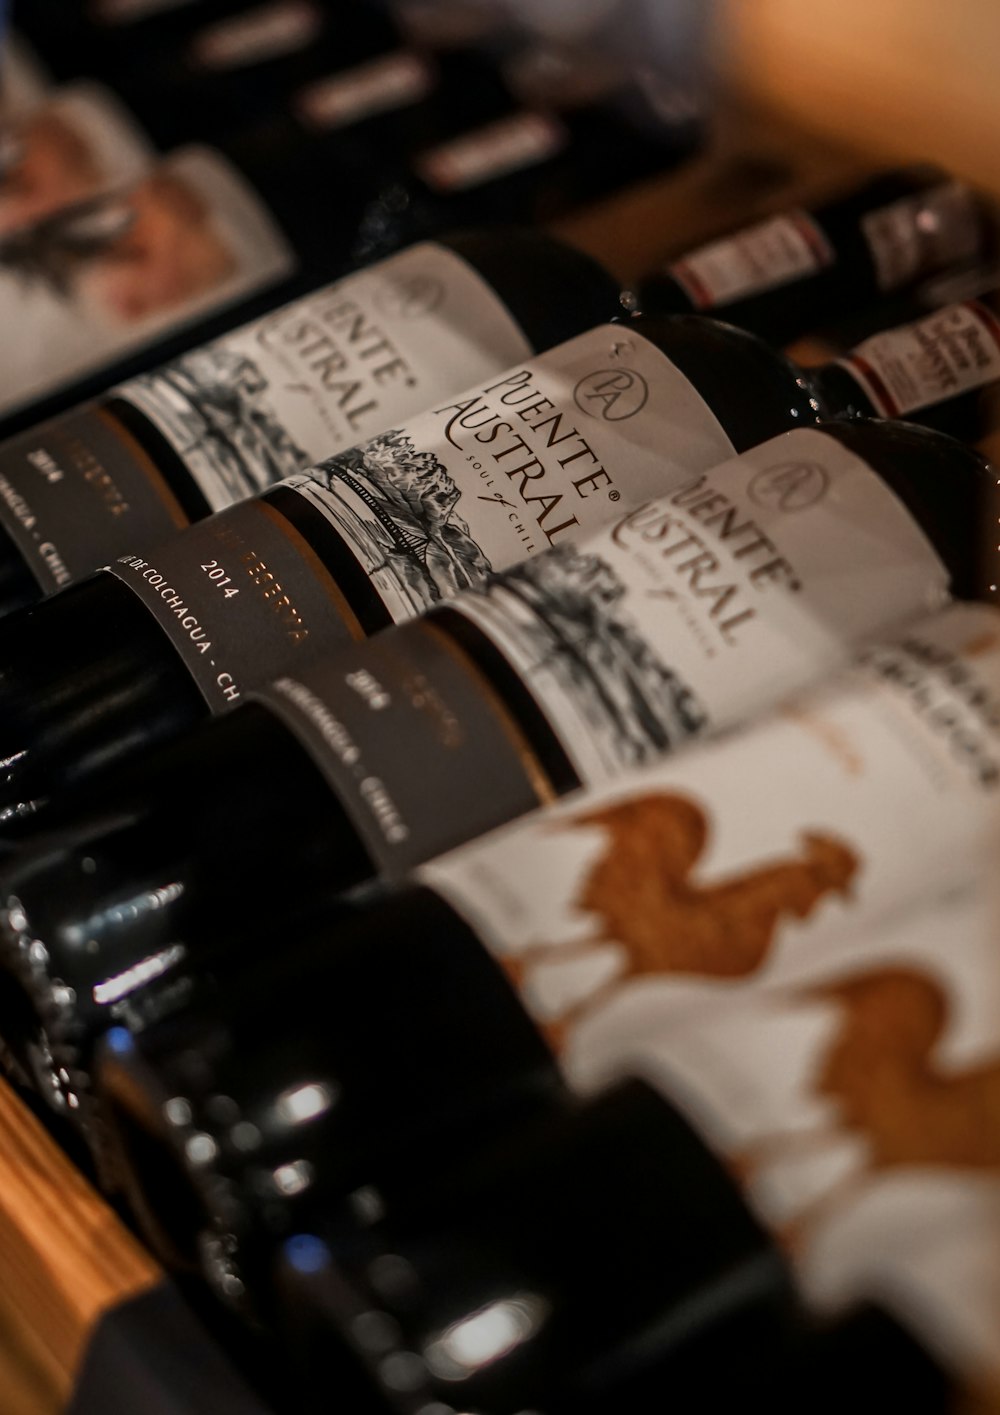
x,y
469,1096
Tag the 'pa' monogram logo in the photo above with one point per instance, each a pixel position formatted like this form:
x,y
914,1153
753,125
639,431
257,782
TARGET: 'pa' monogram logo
x,y
612,394
792,486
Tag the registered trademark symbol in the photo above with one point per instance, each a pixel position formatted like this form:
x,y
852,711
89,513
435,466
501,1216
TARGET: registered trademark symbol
x,y
614,496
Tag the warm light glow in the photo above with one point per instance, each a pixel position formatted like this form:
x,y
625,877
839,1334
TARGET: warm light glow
x,y
486,1335
291,1179
302,1103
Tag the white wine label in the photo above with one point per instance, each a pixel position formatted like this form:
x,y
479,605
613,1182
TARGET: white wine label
x,y
324,372
954,351
922,233
700,609
380,86
106,278
24,84
75,146
76,485
763,257
255,36
852,1091
533,457
242,597
750,855
506,146
419,751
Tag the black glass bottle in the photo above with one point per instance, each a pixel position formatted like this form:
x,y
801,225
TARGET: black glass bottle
x,y
135,889
797,269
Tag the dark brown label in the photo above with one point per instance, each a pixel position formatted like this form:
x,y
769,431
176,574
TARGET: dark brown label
x,y
73,489
242,598
421,753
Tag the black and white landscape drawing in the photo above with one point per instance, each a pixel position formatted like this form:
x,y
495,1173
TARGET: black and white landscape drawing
x,y
409,530
214,403
566,609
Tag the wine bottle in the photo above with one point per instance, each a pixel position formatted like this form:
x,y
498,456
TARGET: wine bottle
x,y
108,289
566,671
524,458
794,270
877,793
224,421
603,1261
858,1145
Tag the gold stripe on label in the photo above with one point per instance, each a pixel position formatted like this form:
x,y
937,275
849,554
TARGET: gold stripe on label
x,y
533,768
149,469
319,571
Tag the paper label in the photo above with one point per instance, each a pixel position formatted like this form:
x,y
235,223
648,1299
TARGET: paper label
x,y
773,253
242,597
90,286
535,456
72,489
851,1089
75,146
922,233
495,151
700,609
324,372
951,352
258,35
729,863
380,86
410,736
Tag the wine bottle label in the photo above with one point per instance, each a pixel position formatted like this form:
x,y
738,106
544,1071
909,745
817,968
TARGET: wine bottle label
x,y
951,352
419,752
242,597
255,36
743,584
71,486
24,85
851,1089
98,281
922,233
79,143
762,848
763,257
538,455
541,452
506,146
321,373
380,86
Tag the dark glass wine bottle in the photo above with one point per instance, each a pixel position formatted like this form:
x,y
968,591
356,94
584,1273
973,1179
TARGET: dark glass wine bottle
x,y
388,753
109,288
794,270
226,420
328,1078
607,1263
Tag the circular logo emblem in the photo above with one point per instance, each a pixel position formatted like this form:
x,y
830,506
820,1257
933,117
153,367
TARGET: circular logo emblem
x,y
411,298
790,486
612,394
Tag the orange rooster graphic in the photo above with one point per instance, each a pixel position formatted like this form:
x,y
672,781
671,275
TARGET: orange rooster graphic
x,y
643,891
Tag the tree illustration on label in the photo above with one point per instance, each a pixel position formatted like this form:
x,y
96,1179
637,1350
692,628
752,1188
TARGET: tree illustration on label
x,y
412,530
567,613
648,901
214,404
888,1089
